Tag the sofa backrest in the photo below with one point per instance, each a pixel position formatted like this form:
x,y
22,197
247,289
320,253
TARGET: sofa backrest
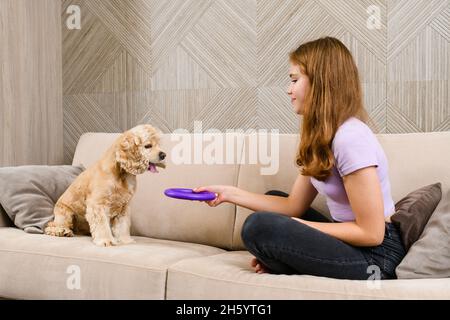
x,y
415,160
157,216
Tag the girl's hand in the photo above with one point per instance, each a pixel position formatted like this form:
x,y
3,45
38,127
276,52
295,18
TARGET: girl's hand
x,y
223,194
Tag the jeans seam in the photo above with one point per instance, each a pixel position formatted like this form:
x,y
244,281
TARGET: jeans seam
x,y
346,262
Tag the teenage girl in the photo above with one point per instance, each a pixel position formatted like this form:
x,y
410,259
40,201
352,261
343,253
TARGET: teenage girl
x,y
339,157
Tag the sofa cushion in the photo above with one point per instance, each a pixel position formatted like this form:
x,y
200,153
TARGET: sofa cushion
x,y
414,210
29,193
229,275
429,257
35,266
157,216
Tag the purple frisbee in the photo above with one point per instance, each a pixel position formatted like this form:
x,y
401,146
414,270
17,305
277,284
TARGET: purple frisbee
x,y
189,194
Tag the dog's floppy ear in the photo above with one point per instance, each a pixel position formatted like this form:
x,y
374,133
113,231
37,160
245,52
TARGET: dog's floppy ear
x,y
127,152
129,140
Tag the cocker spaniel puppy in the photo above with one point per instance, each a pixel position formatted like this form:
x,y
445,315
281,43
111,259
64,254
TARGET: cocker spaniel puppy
x,y
97,202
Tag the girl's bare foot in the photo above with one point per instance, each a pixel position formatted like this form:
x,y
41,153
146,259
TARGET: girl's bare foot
x,y
259,267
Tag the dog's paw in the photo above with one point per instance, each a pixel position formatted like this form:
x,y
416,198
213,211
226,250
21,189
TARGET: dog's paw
x,y
58,231
105,242
126,240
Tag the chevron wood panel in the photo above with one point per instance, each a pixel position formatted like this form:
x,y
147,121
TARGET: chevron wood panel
x,y
123,75
372,72
275,110
223,42
181,72
407,18
88,52
170,22
418,65
399,123
140,110
292,22
230,109
378,118
128,22
425,58
375,102
372,69
353,16
180,108
425,103
441,23
225,62
84,113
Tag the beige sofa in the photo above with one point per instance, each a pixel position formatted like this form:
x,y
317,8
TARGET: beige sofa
x,y
187,250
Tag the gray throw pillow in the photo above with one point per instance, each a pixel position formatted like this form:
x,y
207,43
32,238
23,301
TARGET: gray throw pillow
x,y
429,257
413,212
28,193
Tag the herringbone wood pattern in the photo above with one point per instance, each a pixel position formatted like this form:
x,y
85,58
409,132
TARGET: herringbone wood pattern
x,y
224,62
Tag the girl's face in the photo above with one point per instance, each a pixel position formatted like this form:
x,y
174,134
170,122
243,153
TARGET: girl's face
x,y
298,89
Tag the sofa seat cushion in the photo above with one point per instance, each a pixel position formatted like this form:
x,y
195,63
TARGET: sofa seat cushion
x,y
229,275
35,266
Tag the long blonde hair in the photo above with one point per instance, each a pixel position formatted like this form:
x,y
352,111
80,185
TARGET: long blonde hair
x,y
334,96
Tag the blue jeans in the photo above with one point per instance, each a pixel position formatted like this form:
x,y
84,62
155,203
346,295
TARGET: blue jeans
x,y
285,246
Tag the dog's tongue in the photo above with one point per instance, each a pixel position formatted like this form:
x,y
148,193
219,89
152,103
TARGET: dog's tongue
x,y
152,168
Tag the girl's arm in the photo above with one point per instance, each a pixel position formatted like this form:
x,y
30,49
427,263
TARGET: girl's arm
x,y
366,200
299,200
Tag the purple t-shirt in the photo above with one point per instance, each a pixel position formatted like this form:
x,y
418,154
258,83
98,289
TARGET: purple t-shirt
x,y
354,147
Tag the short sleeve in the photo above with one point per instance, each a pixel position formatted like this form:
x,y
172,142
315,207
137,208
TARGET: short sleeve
x,y
354,150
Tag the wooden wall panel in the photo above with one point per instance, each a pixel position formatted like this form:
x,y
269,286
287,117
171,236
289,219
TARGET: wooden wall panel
x,y
31,127
224,62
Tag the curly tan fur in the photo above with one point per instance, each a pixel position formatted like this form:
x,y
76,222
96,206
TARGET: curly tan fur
x,y
97,202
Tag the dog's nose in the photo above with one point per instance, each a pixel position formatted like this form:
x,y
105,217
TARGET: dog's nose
x,y
162,155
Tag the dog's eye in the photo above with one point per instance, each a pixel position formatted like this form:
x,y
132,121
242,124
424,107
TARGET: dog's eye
x,y
148,146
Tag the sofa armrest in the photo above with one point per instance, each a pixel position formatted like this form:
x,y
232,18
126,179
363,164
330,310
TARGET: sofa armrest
x,y
5,221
